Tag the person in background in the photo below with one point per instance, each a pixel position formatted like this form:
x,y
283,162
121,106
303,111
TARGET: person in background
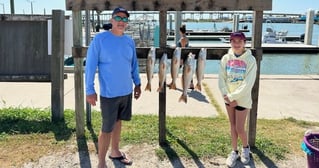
x,y
97,28
237,76
114,55
107,26
183,41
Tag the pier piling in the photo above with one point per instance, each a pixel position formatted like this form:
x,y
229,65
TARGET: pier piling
x,y
309,27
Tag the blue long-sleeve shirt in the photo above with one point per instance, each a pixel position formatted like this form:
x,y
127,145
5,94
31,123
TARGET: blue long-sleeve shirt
x,y
117,64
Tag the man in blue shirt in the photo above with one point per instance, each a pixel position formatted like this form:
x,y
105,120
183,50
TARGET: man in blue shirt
x,y
113,54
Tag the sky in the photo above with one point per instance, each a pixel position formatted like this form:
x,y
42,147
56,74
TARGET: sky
x,y
46,6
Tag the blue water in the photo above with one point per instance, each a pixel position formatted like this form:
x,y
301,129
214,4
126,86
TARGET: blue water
x,y
271,64
274,64
280,64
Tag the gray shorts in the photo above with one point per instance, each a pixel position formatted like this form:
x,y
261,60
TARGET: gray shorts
x,y
114,109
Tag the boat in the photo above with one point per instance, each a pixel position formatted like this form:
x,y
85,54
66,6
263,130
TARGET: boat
x,y
271,37
274,37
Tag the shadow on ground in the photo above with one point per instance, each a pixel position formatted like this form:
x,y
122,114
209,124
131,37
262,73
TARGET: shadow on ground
x,y
23,126
173,156
266,160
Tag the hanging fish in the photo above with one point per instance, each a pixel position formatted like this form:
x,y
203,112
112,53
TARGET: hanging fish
x,y
200,68
150,63
162,72
188,71
175,64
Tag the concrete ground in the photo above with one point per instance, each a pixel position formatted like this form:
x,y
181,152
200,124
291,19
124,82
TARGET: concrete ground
x,y
280,97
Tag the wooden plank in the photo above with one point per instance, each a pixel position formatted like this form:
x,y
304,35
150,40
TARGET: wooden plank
x,y
24,44
57,66
169,5
78,76
25,78
256,44
212,53
79,51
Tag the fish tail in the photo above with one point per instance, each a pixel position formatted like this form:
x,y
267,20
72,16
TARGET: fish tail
x,y
160,89
172,86
148,87
198,87
183,98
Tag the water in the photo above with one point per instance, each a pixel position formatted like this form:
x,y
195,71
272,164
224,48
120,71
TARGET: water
x,y
271,64
280,64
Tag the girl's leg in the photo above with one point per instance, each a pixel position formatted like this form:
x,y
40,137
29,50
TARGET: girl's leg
x,y
232,121
240,126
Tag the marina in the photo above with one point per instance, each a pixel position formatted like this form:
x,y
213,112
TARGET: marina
x,y
293,57
290,96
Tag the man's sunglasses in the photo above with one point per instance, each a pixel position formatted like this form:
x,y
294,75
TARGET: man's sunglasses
x,y
119,18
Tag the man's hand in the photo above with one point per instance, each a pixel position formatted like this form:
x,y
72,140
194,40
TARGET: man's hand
x,y
91,99
137,91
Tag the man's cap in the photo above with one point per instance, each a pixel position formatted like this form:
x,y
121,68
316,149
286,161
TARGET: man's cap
x,y
240,35
120,9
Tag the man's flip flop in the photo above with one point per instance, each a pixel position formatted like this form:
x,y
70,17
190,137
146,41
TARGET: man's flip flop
x,y
123,159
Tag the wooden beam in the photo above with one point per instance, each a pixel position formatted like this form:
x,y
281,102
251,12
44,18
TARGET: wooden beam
x,y
25,78
256,45
169,5
212,53
57,66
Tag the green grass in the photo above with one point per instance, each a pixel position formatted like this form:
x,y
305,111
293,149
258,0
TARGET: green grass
x,y
189,137
214,101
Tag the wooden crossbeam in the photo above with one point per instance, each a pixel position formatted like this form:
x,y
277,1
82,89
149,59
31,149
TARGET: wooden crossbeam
x,y
212,53
170,5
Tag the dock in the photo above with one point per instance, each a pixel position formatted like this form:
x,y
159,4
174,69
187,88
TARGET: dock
x,y
219,36
202,37
289,48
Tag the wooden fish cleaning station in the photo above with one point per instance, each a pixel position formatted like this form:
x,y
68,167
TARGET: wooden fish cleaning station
x,y
79,51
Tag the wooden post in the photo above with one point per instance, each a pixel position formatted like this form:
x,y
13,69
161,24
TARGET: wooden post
x,y
87,42
57,66
256,44
178,23
162,95
309,27
235,22
12,6
78,74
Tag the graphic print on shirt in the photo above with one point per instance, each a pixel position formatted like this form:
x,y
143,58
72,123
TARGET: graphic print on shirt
x,y
236,70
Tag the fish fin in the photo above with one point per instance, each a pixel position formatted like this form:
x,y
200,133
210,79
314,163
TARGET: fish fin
x,y
172,86
188,70
163,66
159,89
175,61
183,98
198,87
148,87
